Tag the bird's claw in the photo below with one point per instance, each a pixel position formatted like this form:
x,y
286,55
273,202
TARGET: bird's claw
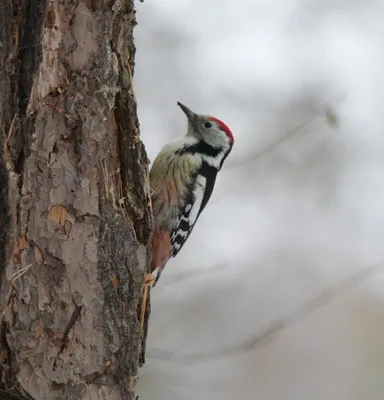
x,y
149,279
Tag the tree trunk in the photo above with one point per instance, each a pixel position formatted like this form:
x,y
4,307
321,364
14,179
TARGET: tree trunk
x,y
75,220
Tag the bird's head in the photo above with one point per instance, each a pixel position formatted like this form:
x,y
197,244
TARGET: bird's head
x,y
207,128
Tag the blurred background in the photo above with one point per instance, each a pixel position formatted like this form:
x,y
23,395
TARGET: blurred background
x,y
278,293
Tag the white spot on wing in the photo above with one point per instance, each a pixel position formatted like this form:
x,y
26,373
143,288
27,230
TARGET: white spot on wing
x,y
198,192
182,233
188,207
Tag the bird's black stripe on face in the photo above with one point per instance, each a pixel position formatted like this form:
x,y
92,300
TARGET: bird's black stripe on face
x,y
200,147
184,228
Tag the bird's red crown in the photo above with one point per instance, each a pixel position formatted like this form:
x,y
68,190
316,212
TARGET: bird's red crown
x,y
224,127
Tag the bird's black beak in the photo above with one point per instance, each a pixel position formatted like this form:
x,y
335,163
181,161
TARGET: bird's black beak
x,y
190,114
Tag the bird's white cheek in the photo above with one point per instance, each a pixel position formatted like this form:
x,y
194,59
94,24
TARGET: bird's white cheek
x,y
214,161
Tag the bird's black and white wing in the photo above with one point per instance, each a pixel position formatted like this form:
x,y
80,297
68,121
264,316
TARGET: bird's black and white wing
x,y
199,195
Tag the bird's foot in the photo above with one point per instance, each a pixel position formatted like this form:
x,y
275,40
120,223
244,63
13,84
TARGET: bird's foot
x,y
149,279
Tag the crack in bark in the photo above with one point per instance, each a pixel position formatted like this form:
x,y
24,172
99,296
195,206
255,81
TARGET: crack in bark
x,y
74,318
5,354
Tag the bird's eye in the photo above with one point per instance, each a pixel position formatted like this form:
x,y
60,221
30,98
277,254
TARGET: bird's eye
x,y
207,125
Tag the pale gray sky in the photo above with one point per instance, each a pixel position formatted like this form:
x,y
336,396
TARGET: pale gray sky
x,y
282,227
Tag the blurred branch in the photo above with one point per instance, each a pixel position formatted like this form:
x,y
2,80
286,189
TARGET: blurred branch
x,y
266,337
299,129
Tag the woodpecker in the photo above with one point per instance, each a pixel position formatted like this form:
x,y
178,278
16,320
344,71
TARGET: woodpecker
x,y
182,179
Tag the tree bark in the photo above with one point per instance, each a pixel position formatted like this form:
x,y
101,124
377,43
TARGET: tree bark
x,y
75,218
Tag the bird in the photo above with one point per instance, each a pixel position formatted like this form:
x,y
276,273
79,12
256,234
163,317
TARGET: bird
x,y
182,179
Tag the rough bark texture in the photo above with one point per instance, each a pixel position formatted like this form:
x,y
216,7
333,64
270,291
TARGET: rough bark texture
x,y
74,201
